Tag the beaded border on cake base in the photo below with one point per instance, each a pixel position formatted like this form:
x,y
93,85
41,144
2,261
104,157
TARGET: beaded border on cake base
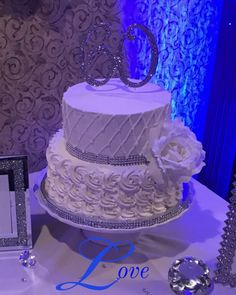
x,y
94,222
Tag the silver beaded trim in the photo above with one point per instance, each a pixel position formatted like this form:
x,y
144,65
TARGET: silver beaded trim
x,y
223,273
23,240
102,159
94,222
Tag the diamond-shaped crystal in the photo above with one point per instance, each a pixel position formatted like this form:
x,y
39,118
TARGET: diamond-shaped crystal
x,y
190,276
26,259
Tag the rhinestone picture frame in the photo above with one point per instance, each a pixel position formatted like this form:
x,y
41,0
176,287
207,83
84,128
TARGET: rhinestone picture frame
x,y
224,273
18,235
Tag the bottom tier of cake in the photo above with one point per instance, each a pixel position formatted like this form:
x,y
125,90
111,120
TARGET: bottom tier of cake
x,y
104,191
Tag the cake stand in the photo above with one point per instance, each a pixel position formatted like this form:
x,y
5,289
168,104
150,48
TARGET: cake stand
x,y
113,230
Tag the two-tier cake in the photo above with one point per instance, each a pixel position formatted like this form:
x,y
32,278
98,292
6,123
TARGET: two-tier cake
x,y
119,156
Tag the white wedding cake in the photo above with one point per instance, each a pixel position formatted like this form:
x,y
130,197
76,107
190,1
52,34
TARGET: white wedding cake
x,y
119,156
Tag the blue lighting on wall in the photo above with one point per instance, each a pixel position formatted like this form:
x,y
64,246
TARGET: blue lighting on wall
x,y
196,63
186,33
196,53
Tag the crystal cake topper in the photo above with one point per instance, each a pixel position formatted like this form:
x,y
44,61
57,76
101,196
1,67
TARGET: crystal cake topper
x,y
116,61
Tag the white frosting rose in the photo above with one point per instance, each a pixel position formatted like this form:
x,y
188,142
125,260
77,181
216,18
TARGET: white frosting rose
x,y
177,152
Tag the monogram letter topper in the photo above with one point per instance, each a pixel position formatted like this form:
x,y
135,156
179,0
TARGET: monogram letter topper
x,y
88,54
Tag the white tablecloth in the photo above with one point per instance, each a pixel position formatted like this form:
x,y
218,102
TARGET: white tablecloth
x,y
197,233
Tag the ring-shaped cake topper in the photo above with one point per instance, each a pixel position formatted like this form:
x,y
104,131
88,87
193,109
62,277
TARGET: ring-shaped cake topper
x,y
116,61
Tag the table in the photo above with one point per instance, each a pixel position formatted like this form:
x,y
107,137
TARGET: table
x,y
196,233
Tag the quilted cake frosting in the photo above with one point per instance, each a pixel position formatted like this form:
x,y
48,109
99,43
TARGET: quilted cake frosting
x,y
113,120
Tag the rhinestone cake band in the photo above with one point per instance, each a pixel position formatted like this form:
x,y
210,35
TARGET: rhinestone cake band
x,y
102,159
92,222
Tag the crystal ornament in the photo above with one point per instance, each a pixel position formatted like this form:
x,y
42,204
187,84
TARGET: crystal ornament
x,y
26,259
223,272
190,275
88,55
24,280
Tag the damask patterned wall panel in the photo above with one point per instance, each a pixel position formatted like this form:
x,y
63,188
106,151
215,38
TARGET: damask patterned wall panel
x,y
39,59
186,32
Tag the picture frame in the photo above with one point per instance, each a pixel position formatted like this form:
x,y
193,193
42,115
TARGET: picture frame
x,y
224,273
15,219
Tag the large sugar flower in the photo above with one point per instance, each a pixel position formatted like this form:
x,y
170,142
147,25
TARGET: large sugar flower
x,y
177,152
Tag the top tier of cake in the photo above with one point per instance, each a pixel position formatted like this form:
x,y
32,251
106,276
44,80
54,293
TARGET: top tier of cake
x,y
113,120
